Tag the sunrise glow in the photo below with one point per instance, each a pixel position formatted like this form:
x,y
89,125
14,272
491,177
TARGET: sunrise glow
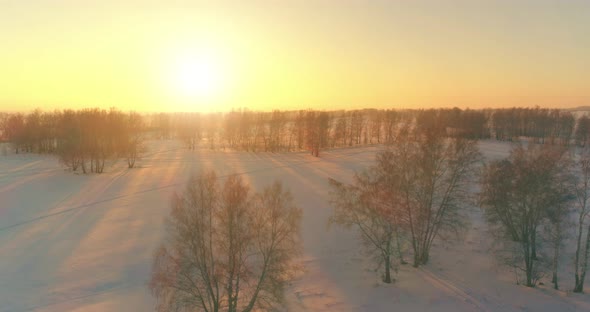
x,y
197,78
266,55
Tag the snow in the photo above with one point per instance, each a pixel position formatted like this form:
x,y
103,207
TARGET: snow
x,y
72,242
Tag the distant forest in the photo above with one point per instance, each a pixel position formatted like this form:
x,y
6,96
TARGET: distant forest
x,y
86,138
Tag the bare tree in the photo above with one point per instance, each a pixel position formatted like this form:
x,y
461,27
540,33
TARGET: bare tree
x,y
434,175
133,145
518,194
357,124
582,130
14,131
582,190
226,250
556,229
299,128
339,137
189,129
367,207
70,138
376,121
391,118
417,189
277,125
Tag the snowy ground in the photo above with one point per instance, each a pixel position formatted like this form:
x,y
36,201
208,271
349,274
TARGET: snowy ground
x,y
72,242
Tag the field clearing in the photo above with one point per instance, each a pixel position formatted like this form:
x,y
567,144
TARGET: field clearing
x,y
72,242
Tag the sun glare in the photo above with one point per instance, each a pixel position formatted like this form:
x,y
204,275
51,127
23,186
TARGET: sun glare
x,y
197,76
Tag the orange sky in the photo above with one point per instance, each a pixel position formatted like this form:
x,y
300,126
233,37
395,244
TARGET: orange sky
x,y
293,54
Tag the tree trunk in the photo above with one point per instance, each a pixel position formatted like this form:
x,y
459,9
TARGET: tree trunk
x,y
529,276
424,256
529,264
130,162
557,242
580,283
399,248
534,247
387,278
578,286
420,257
555,259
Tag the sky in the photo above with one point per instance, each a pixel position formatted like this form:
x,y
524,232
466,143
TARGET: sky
x,y
263,55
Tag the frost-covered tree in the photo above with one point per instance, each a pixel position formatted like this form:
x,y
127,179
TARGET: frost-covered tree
x,y
226,249
417,190
556,229
520,193
582,204
434,176
369,209
133,139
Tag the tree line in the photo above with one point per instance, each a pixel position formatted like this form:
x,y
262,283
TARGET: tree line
x,y
286,131
82,139
539,124
278,131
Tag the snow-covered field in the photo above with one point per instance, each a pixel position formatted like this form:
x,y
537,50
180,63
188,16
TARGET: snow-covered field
x,y
71,242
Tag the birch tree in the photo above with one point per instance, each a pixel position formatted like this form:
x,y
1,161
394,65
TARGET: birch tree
x,y
368,208
582,190
518,194
226,249
435,173
416,189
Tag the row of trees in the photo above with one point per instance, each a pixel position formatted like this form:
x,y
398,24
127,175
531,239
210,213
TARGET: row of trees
x,y
313,130
297,130
287,131
282,131
539,124
418,189
34,132
83,139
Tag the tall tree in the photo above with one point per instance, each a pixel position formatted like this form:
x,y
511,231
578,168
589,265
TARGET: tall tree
x,y
582,204
368,206
417,189
226,249
582,130
133,139
14,129
558,222
435,173
518,194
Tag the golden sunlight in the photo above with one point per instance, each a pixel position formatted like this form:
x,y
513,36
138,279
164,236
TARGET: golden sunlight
x,y
197,76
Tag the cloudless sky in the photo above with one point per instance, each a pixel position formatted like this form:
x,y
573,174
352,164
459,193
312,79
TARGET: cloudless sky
x,y
294,54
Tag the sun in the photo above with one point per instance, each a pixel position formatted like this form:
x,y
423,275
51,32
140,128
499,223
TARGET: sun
x,y
197,76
